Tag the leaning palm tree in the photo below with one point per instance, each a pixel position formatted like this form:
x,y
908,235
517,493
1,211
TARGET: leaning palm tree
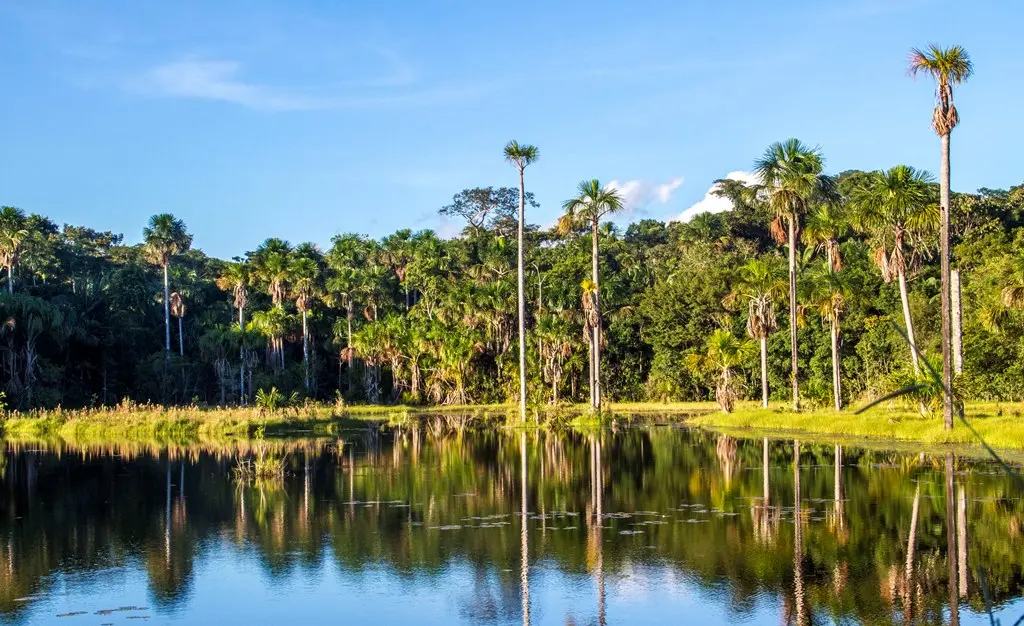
x,y
949,67
520,157
592,204
760,283
13,233
791,180
828,291
164,237
896,205
236,278
178,311
723,353
305,278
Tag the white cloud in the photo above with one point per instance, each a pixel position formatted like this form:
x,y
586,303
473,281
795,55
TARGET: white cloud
x,y
221,81
638,194
711,203
218,80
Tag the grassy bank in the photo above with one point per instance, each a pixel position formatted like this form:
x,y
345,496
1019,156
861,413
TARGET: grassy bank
x,y
1001,425
190,424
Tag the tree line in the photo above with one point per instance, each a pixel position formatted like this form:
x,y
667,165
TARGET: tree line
x,y
583,310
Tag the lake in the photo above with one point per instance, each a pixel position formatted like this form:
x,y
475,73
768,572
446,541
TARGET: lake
x,y
443,523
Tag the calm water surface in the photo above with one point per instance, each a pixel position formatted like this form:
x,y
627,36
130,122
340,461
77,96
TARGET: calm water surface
x,y
433,525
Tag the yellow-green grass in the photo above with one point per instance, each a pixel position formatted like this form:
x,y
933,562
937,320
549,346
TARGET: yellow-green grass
x,y
1001,425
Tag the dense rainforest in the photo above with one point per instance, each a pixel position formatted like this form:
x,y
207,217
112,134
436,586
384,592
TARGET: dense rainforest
x,y
414,318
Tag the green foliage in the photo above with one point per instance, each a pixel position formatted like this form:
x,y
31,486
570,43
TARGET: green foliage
x,y
417,319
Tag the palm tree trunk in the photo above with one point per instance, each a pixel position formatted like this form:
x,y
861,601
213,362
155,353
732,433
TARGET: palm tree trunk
x,y
521,300
836,381
792,310
167,313
764,372
908,320
348,337
10,279
956,327
597,311
947,370
241,356
305,350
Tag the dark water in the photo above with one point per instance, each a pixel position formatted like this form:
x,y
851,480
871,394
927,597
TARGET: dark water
x,y
426,525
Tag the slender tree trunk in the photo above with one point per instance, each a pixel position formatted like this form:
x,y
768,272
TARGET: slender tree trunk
x,y
947,370
908,320
181,338
10,279
764,372
167,314
837,394
348,335
521,300
305,350
597,311
241,356
957,328
792,310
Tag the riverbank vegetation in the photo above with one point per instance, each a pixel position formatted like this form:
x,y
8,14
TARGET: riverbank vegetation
x,y
649,312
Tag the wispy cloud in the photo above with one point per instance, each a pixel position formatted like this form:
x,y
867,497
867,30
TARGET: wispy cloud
x,y
637,195
222,81
712,203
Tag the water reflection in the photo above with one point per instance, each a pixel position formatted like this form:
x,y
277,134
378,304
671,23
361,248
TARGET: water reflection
x,y
495,526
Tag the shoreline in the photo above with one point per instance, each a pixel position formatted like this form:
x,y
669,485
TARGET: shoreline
x,y
1000,424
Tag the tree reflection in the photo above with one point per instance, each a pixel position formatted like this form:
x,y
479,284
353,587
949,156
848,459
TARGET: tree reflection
x,y
867,541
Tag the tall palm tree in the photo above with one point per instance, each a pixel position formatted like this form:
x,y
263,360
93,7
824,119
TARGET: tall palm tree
x,y
949,67
896,205
272,262
590,206
760,283
178,311
305,278
828,291
13,233
164,237
723,353
520,156
236,278
791,181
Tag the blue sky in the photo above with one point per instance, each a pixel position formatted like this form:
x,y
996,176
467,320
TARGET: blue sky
x,y
308,118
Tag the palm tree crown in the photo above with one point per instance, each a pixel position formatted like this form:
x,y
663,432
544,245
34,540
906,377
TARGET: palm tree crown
x,y
164,237
591,204
792,178
896,203
949,67
520,155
